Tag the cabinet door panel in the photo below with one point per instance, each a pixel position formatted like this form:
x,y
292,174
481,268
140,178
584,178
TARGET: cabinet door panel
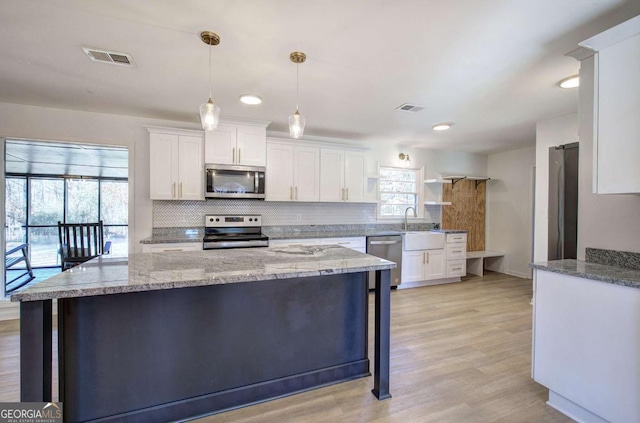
x,y
190,168
163,166
306,174
618,128
331,175
413,266
354,176
252,146
220,145
279,177
434,268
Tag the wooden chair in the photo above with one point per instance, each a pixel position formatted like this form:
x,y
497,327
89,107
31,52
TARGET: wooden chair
x,y
12,257
80,242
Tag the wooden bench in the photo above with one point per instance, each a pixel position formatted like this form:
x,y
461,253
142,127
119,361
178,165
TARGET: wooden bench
x,y
477,261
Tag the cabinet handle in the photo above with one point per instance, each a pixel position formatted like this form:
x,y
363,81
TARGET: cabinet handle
x,y
343,243
233,154
180,189
347,194
291,193
172,249
173,191
239,155
342,194
424,258
456,251
296,192
428,258
457,268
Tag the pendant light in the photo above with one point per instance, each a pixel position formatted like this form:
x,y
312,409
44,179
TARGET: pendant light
x,y
296,120
209,112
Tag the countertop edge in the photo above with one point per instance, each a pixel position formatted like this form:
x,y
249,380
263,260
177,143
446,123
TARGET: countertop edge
x,y
126,289
592,271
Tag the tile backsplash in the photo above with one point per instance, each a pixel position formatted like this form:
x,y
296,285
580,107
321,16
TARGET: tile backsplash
x,y
168,214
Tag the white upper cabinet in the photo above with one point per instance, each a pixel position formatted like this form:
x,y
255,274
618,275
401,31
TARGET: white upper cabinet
x,y
306,173
354,176
332,175
236,145
176,164
342,175
293,172
617,108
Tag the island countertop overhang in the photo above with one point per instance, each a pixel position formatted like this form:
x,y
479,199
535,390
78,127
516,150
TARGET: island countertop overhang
x,y
170,270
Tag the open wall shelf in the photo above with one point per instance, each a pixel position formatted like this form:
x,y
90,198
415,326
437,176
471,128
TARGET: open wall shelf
x,y
456,178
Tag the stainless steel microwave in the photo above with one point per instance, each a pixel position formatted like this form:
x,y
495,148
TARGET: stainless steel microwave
x,y
230,181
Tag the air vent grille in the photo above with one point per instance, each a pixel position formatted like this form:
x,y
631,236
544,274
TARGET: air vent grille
x,y
110,57
408,107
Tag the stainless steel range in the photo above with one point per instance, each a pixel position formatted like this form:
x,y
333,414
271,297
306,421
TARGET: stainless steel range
x,y
235,231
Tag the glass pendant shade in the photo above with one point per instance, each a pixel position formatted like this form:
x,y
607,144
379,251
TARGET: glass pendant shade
x,y
296,125
209,115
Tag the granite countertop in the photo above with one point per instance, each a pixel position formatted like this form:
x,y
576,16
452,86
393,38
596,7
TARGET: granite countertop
x,y
594,271
175,235
168,270
450,231
330,234
171,235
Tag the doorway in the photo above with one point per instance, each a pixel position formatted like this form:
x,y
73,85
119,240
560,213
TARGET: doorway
x,y
48,182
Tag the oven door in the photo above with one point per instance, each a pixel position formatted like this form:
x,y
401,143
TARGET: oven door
x,y
234,182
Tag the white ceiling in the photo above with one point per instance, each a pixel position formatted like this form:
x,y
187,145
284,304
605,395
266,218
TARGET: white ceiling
x,y
489,66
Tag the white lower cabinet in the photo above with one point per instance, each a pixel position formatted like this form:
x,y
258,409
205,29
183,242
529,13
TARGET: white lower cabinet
x,y
456,268
422,265
456,255
172,246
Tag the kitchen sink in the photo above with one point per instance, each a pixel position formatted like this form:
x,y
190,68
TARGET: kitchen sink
x,y
422,240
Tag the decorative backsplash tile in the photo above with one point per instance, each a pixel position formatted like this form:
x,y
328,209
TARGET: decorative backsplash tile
x,y
167,214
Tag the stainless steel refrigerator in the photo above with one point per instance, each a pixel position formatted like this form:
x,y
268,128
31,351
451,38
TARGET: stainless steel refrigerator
x,y
563,202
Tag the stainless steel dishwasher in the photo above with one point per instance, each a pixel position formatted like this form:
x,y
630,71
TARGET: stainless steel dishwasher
x,y
388,247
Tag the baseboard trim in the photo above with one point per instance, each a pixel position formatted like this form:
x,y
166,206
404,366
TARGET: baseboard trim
x,y
419,284
572,410
517,274
231,399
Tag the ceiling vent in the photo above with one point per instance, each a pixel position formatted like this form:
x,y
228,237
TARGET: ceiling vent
x,y
408,107
110,57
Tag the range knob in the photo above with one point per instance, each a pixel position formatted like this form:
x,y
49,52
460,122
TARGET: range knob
x,y
211,219
217,219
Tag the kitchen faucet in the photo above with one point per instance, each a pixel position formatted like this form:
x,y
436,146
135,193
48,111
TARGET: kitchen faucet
x,y
405,215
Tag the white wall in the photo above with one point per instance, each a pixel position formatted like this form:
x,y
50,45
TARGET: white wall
x,y
552,132
510,208
604,221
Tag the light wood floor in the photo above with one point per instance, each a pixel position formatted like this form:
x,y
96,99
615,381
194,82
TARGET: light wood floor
x,y
459,353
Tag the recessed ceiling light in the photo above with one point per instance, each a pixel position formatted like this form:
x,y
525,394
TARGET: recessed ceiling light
x,y
571,82
442,126
250,99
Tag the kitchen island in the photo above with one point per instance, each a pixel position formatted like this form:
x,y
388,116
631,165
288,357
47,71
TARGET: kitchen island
x,y
169,336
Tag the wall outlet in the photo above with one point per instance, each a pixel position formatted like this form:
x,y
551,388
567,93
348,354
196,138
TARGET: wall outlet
x,y
298,217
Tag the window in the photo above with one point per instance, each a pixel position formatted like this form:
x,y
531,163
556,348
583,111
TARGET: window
x,y
398,190
35,204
